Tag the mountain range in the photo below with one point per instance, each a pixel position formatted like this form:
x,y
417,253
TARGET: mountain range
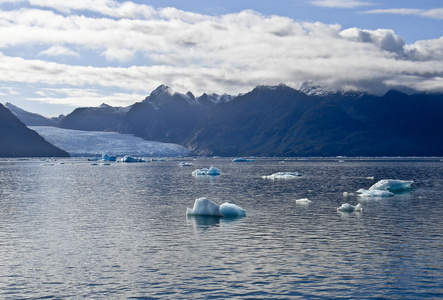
x,y
279,121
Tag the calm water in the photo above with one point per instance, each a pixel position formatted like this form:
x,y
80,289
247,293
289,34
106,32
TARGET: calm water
x,y
75,230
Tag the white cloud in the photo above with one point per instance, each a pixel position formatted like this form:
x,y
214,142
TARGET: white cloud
x,y
58,51
230,53
436,13
340,3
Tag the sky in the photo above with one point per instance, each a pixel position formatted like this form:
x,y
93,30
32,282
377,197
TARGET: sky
x,y
58,55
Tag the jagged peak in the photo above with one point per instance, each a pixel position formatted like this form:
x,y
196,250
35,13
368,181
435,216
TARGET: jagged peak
x,y
311,89
104,105
162,89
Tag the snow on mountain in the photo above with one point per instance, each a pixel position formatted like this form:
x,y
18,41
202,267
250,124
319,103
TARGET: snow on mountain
x,y
311,89
32,119
91,143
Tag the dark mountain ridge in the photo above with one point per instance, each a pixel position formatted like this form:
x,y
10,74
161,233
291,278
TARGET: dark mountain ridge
x,y
17,140
102,118
33,119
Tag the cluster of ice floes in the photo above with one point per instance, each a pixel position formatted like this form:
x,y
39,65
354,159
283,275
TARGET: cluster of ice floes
x,y
205,207
346,207
212,171
386,188
282,175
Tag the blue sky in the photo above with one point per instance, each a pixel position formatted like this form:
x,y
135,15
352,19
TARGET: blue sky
x,y
58,55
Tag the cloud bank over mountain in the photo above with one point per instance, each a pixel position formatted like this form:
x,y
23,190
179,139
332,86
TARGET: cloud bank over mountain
x,y
83,53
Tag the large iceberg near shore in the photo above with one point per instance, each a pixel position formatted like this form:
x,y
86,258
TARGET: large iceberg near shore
x,y
205,207
212,171
282,175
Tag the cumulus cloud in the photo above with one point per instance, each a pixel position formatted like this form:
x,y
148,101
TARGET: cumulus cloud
x,y
231,53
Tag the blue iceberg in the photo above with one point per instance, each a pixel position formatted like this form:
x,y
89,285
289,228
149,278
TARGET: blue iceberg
x,y
212,171
130,159
205,207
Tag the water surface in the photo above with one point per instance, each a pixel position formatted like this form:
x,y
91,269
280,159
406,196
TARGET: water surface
x,y
119,231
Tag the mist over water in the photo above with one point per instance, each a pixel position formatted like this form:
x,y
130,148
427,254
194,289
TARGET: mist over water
x,y
76,230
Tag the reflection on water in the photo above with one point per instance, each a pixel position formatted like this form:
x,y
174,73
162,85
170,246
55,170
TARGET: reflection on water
x,y
121,231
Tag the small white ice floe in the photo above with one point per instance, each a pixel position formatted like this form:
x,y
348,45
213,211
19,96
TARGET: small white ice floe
x,y
303,201
392,185
282,175
205,207
346,207
185,164
212,171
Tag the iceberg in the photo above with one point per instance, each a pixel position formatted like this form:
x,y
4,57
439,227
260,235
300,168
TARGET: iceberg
x,y
374,193
130,159
282,175
232,210
205,207
106,157
212,171
303,201
350,208
392,185
185,164
242,160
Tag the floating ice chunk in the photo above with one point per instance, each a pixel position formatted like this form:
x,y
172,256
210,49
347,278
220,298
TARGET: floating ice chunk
x,y
185,164
242,160
106,157
346,207
303,201
374,193
212,171
130,159
282,175
232,210
392,185
204,207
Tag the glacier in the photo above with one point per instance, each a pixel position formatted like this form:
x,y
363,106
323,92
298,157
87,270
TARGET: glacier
x,y
95,143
